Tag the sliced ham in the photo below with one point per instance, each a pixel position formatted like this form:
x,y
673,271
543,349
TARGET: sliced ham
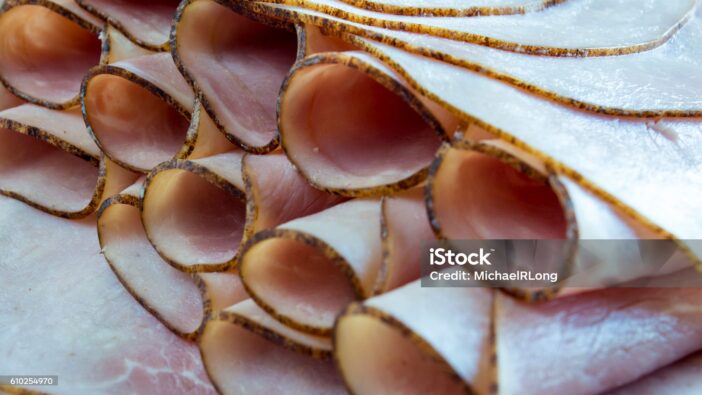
x,y
140,112
304,272
147,23
246,351
332,129
49,161
238,64
117,47
197,212
45,49
682,378
417,340
453,7
64,313
582,28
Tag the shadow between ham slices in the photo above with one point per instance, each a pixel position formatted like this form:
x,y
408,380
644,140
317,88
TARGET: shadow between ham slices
x,y
241,344
48,161
141,112
332,129
146,23
237,59
46,47
197,212
304,272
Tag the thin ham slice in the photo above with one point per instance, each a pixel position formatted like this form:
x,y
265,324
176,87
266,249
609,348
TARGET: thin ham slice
x,y
417,340
332,129
117,47
453,7
49,161
682,378
140,112
304,272
45,49
582,28
238,64
246,351
147,23
197,212
63,312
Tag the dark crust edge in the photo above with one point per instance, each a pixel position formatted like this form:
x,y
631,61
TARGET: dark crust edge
x,y
377,6
241,7
387,319
133,201
163,47
71,16
51,139
387,81
209,176
325,249
106,69
550,179
342,30
10,389
485,40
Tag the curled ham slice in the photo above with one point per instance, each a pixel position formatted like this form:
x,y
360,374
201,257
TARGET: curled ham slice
x,y
147,23
197,212
332,129
117,47
45,49
67,314
305,271
417,340
453,7
238,64
246,351
49,162
141,112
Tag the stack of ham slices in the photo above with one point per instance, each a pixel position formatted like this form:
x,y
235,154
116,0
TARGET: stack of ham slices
x,y
232,195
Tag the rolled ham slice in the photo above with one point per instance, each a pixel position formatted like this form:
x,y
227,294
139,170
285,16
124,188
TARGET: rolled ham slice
x,y
141,112
355,149
452,7
45,49
306,271
147,23
238,64
641,90
246,351
48,161
573,28
197,212
70,316
417,340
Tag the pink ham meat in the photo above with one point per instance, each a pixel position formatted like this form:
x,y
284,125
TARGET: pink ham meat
x,y
141,112
63,312
7,99
355,149
417,340
48,160
238,64
304,272
197,212
682,378
147,23
45,49
246,351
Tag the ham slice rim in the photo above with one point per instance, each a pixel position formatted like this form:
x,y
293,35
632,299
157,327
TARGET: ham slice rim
x,y
378,6
387,81
244,8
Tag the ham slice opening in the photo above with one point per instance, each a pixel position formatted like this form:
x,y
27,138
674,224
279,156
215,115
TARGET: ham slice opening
x,y
238,64
45,50
352,127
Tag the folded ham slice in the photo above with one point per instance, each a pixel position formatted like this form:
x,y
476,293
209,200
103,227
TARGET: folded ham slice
x,y
306,271
197,212
147,23
238,64
140,112
63,312
246,351
332,129
45,49
581,28
417,340
47,160
453,7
